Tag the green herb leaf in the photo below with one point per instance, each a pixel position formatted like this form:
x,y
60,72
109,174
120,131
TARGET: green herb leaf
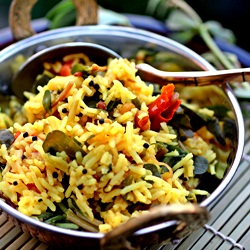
x,y
172,160
164,169
220,111
57,141
78,67
136,102
153,168
113,104
56,218
45,216
230,130
213,126
200,165
47,100
196,120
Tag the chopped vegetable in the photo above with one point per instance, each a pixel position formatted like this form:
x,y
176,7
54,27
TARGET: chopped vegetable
x,y
57,141
71,216
78,67
153,169
6,137
198,120
66,69
63,94
142,120
164,107
200,165
47,100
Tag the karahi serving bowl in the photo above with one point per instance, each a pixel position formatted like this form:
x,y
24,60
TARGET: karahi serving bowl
x,y
125,41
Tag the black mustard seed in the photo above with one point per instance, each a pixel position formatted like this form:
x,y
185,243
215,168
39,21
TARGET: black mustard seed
x,y
64,110
55,175
101,120
25,134
34,138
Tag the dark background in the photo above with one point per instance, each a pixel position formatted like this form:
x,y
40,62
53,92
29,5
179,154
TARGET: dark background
x,y
232,14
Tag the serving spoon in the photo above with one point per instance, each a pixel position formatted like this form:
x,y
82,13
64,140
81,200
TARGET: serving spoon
x,y
26,75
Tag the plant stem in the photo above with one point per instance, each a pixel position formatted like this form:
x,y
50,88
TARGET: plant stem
x,y
203,31
213,47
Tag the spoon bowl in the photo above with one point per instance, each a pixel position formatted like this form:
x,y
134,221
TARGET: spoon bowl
x,y
25,77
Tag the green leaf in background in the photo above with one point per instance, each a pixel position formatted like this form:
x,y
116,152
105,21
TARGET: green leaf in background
x,y
180,18
64,14
60,7
159,9
183,36
183,27
218,31
179,21
111,17
242,90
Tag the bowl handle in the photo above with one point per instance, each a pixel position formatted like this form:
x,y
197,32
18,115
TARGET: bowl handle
x,y
20,16
187,218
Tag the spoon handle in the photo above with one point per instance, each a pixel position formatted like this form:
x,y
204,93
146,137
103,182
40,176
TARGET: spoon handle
x,y
192,78
173,221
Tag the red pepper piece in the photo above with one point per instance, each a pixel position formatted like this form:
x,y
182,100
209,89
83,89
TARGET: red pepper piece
x,y
162,109
66,69
101,105
142,123
79,73
32,186
17,134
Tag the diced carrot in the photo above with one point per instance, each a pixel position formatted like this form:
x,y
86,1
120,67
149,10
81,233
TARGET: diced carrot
x,y
63,94
142,122
65,70
17,134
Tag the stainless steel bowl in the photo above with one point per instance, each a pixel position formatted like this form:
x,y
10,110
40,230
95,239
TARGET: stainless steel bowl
x,y
125,41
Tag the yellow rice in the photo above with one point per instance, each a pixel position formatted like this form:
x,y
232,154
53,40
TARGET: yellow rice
x,y
114,151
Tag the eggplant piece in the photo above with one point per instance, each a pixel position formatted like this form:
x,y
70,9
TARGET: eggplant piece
x,y
6,137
